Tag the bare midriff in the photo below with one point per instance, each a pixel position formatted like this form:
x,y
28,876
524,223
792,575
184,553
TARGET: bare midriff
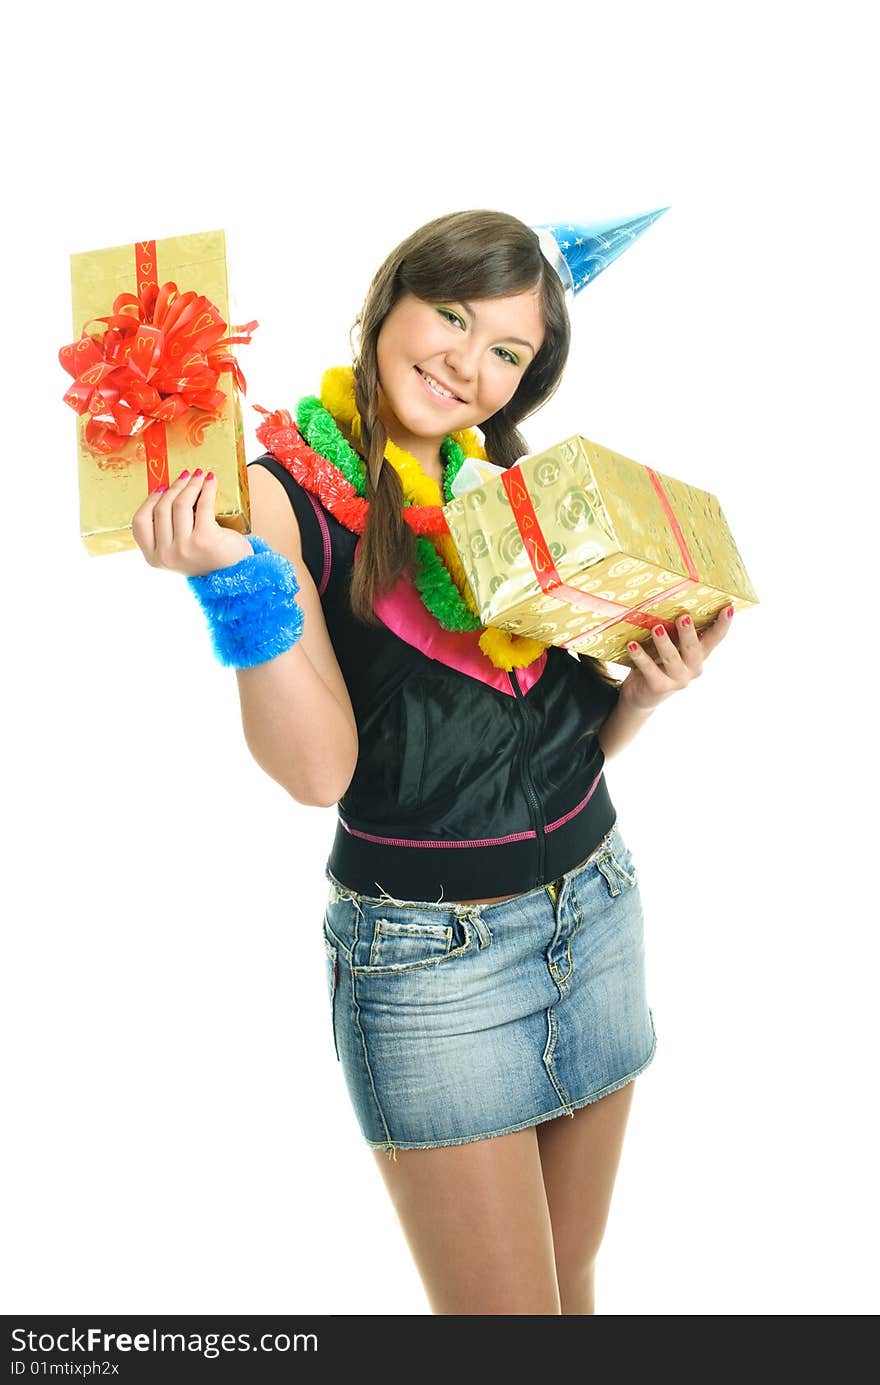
x,y
500,898
496,899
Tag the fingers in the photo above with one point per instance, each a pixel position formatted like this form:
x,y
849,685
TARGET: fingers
x,y
691,649
655,677
685,656
205,512
173,514
142,527
680,654
713,634
167,517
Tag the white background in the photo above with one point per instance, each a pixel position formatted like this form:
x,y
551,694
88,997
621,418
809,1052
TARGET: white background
x,y
180,1139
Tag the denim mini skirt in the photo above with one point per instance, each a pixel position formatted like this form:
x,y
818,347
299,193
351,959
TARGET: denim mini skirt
x,y
458,1022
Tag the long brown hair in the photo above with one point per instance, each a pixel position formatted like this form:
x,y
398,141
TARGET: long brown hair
x,y
470,254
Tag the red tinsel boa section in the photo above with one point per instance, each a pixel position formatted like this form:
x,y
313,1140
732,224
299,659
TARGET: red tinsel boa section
x,y
160,355
280,436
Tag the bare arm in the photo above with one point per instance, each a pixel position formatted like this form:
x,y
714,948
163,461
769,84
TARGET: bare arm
x,y
296,713
678,658
621,725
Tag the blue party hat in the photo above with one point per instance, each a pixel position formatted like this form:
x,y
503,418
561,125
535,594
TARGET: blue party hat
x,y
580,253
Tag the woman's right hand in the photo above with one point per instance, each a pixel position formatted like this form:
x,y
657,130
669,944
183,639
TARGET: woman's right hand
x,y
177,529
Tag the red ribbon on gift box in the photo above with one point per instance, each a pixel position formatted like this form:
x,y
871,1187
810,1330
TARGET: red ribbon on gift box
x,y
159,358
548,577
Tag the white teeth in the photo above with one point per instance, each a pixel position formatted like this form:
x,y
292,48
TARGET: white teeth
x,y
447,394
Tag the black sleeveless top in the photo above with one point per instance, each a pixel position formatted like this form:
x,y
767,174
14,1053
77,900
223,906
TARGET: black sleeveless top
x,y
465,786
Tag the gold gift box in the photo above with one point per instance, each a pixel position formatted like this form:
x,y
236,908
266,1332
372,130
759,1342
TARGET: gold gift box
x,y
113,485
581,547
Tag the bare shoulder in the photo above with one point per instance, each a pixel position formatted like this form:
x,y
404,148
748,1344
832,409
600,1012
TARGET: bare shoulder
x,y
272,515
273,519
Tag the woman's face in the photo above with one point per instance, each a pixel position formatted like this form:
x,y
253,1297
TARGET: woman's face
x,y
479,350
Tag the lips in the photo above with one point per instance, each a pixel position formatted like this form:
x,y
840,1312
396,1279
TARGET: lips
x,y
443,385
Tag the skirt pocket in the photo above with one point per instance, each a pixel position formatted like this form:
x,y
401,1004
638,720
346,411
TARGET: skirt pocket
x,y
399,944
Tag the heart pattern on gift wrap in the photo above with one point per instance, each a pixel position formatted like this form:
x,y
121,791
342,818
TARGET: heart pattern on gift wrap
x,y
145,268
542,561
203,320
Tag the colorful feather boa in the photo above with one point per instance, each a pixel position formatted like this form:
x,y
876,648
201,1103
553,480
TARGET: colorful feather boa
x,y
321,460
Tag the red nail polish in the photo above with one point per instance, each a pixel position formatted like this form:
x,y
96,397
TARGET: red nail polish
x,y
159,490
209,475
632,646
659,629
685,620
198,471
730,613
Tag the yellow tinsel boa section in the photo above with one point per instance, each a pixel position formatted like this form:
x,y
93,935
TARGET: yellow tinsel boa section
x,y
337,395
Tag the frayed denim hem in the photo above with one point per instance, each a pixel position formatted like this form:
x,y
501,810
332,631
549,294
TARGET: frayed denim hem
x,y
567,1110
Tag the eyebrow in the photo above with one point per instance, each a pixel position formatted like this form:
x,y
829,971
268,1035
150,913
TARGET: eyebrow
x,y
520,341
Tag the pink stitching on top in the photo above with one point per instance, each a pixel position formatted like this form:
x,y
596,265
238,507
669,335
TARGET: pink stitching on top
x,y
475,841
412,841
325,536
552,826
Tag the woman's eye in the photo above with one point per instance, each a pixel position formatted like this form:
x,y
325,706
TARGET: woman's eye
x,y
447,313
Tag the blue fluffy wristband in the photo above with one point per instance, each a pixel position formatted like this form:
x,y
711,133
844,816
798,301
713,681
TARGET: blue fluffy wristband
x,y
250,607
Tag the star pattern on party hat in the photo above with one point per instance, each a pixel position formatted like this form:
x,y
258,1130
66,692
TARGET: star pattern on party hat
x,y
579,253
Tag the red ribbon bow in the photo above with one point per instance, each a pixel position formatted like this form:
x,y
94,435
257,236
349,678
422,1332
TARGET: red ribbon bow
x,y
160,356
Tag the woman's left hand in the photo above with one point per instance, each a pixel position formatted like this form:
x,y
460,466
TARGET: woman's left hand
x,y
653,678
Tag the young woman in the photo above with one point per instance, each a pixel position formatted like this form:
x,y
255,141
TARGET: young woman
x,y
483,928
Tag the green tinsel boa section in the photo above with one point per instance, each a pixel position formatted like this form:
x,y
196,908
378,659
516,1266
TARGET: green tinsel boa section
x,y
433,582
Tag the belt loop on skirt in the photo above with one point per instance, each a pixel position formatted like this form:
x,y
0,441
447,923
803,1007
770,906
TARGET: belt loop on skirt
x,y
481,926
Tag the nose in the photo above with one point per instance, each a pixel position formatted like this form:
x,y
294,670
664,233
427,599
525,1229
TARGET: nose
x,y
462,365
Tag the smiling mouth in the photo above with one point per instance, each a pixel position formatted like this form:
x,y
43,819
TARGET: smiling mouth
x,y
440,396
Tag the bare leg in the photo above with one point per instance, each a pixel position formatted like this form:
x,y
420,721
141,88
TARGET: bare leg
x,y
476,1220
580,1158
